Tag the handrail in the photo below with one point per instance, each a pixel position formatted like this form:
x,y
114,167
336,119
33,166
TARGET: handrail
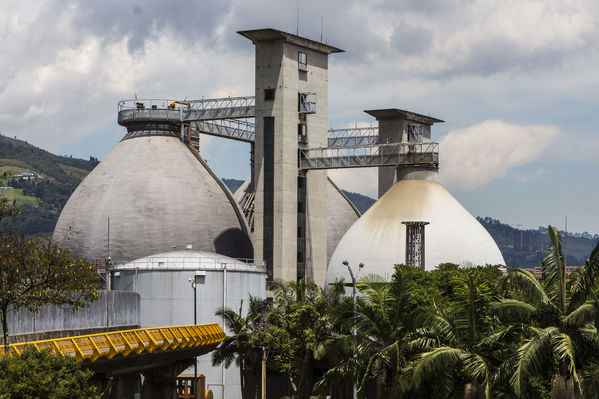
x,y
201,262
109,344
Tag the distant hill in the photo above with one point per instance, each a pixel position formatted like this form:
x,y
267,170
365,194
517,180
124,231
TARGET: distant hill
x,y
362,202
233,184
526,248
42,196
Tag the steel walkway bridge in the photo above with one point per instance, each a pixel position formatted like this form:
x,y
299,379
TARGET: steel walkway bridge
x,y
127,343
228,118
370,155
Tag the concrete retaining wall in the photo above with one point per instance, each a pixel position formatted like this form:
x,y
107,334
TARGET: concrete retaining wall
x,y
122,310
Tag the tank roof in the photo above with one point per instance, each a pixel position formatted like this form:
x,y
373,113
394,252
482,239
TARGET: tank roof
x,y
190,260
269,34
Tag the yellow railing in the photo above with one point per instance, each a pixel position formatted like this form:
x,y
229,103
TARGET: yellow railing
x,y
110,344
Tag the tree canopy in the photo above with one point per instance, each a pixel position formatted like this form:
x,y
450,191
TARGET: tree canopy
x,y
477,332
42,375
34,273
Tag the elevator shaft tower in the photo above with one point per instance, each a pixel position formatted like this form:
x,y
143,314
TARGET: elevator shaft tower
x,y
291,92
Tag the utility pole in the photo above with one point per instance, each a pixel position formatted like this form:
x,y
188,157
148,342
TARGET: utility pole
x,y
195,322
263,384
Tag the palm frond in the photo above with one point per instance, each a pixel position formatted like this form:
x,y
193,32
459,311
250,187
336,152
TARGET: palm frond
x,y
440,325
554,269
584,314
526,285
499,336
532,357
590,376
477,369
513,309
563,348
434,366
585,281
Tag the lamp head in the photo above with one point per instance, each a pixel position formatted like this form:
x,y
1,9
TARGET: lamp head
x,y
361,265
345,263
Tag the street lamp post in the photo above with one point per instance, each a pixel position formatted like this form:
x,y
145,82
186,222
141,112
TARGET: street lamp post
x,y
353,280
195,322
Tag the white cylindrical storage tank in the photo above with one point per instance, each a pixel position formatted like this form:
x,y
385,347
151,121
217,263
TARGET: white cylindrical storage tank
x,y
166,296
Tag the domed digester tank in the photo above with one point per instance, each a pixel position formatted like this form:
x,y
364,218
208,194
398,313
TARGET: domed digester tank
x,y
341,212
378,239
151,193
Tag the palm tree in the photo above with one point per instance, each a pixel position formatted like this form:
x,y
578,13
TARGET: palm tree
x,y
456,338
239,347
559,317
383,319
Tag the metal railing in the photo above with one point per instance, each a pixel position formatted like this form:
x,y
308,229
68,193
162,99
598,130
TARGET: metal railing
x,y
108,345
226,102
353,136
236,129
204,262
224,117
369,156
185,111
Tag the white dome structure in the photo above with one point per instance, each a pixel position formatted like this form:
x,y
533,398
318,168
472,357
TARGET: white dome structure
x,y
378,238
158,195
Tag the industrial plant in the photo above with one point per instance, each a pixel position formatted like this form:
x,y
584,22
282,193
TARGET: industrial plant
x,y
158,221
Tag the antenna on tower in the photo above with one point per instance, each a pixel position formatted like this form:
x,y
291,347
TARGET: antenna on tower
x,y
321,27
297,23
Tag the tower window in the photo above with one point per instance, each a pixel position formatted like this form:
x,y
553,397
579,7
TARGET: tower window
x,y
302,61
302,133
415,133
269,94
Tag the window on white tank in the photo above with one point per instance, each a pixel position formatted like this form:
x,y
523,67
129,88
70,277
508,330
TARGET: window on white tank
x,y
415,133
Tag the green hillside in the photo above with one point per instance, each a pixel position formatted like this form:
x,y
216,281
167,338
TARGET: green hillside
x,y
42,196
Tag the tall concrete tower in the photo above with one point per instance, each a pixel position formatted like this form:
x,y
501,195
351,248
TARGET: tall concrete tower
x,y
291,112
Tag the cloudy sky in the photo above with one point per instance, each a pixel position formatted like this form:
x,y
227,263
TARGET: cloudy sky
x,y
517,82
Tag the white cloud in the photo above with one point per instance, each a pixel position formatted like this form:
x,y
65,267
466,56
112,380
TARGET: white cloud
x,y
473,156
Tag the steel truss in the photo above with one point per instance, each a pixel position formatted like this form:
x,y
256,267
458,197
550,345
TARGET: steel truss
x,y
394,154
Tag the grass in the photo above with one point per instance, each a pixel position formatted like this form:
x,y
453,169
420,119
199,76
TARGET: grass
x,y
16,194
15,164
75,172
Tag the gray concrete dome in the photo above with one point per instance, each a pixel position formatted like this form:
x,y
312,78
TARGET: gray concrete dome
x,y
157,194
378,238
341,212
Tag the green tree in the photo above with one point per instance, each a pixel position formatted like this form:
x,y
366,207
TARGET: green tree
x,y
239,347
459,336
559,318
300,321
42,375
7,211
34,273
382,345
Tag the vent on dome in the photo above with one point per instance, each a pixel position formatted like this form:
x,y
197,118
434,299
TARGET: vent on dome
x,y
415,243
